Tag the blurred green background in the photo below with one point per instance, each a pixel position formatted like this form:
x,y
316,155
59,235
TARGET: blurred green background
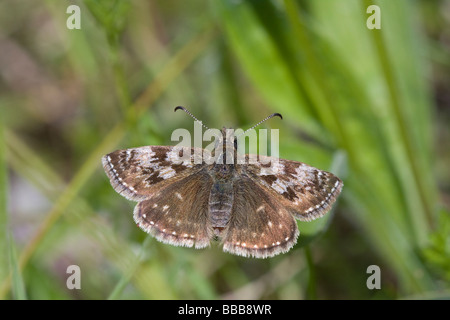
x,y
372,106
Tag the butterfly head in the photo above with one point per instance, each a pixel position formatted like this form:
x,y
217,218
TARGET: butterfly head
x,y
226,142
227,145
228,138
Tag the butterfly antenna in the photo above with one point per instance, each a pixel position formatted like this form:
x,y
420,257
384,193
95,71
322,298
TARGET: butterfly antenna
x,y
189,113
265,119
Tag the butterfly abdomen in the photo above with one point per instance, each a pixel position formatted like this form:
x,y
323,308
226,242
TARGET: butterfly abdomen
x,y
220,203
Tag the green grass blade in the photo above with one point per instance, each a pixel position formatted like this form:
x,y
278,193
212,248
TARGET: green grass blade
x,y
18,287
127,276
277,84
3,207
311,289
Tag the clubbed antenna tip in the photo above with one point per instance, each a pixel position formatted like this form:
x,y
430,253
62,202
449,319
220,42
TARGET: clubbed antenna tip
x,y
265,119
276,115
189,113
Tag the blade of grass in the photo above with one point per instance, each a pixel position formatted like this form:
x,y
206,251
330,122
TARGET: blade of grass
x,y
280,273
311,289
40,174
327,110
71,191
18,287
126,277
3,206
419,225
112,17
276,84
204,290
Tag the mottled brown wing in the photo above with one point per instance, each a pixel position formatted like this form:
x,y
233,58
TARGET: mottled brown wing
x,y
259,225
138,173
178,213
305,191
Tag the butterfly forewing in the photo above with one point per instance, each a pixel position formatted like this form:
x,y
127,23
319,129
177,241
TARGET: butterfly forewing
x,y
305,191
138,173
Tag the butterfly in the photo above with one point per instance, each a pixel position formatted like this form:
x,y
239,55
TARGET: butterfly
x,y
251,207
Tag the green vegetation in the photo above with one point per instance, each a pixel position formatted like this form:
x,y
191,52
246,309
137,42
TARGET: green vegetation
x,y
358,102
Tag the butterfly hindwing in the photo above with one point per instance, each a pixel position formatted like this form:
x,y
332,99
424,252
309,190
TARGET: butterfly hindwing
x,y
259,226
178,213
